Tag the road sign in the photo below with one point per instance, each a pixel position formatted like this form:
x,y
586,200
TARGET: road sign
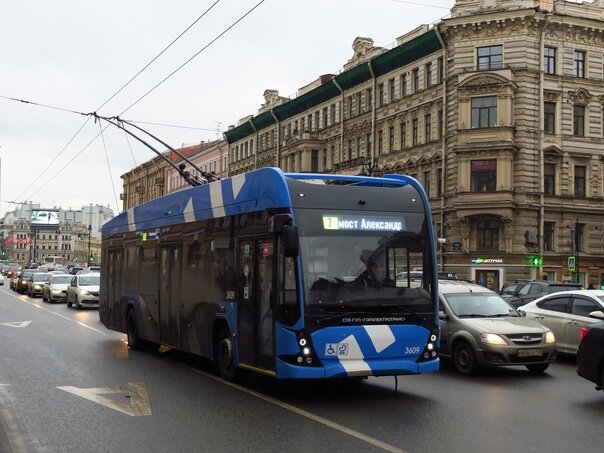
x,y
572,264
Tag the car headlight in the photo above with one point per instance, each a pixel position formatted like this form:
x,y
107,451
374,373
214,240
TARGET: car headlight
x,y
84,292
549,337
491,338
37,287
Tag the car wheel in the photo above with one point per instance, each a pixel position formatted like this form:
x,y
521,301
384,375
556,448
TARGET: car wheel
x,y
464,358
77,303
68,303
134,342
44,296
225,355
537,367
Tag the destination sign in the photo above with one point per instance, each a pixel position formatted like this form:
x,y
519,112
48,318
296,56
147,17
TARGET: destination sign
x,y
362,223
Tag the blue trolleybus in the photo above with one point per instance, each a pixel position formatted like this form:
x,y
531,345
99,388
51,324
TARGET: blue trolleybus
x,y
290,275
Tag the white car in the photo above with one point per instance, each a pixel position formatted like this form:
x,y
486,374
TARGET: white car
x,y
566,313
84,290
1,279
55,288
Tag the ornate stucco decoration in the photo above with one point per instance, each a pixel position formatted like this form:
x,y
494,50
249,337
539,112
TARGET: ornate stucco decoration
x,y
580,96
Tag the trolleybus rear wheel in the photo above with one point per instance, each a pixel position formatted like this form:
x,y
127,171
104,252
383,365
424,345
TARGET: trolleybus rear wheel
x,y
134,342
225,355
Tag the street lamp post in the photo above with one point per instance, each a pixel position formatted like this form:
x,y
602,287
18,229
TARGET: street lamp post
x,y
89,231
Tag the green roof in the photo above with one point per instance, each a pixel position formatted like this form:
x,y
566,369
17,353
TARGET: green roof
x,y
398,57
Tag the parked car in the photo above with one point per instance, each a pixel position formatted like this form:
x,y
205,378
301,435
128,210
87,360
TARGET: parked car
x,y
23,279
510,289
534,289
55,288
73,270
479,328
443,275
35,283
1,279
84,290
566,313
11,270
590,355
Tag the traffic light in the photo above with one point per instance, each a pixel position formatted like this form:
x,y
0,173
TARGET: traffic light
x,y
79,236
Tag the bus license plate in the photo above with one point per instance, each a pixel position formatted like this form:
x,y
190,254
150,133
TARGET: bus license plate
x,y
530,352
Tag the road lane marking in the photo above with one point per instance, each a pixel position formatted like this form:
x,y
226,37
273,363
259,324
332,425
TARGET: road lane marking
x,y
275,402
16,324
39,307
138,405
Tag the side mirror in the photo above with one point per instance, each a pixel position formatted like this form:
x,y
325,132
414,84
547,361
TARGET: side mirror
x,y
291,246
522,313
597,314
442,315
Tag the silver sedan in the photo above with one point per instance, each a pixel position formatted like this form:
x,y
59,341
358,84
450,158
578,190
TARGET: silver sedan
x,y
56,288
566,313
84,290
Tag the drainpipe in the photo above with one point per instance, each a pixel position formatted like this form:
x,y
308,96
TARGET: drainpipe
x,y
443,147
256,153
278,137
335,82
541,171
373,106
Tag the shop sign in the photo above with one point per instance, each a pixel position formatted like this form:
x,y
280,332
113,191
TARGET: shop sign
x,y
481,260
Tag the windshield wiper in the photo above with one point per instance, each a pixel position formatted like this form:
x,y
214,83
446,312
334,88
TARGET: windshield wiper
x,y
472,315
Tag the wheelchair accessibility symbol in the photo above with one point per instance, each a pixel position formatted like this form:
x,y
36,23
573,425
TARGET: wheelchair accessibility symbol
x,y
336,349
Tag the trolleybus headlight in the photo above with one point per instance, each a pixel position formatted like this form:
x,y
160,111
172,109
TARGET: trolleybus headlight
x,y
299,359
302,341
306,351
433,353
426,355
432,337
309,360
430,347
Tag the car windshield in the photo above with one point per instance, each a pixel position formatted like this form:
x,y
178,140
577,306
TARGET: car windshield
x,y
511,289
90,281
61,279
39,277
479,305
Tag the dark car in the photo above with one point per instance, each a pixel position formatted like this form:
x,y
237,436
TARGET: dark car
x,y
24,279
534,289
510,289
590,355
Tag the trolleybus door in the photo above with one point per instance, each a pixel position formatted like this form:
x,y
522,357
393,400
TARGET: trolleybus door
x,y
114,288
255,330
169,292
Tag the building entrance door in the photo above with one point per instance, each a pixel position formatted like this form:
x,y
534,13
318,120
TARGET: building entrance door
x,y
488,278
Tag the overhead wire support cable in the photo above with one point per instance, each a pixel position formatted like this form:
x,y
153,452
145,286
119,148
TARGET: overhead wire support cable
x,y
108,166
226,30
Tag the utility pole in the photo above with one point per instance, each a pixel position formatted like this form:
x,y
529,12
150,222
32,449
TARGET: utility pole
x,y
89,232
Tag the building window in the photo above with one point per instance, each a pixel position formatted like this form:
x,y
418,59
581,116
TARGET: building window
x,y
368,99
483,175
440,68
580,63
391,91
427,182
579,120
579,180
548,236
391,139
427,128
359,146
487,235
333,114
368,141
428,74
404,82
440,124
359,104
490,57
380,142
439,177
549,181
381,93
414,137
314,161
403,135
416,80
325,115
349,150
484,112
549,60
349,106
579,230
549,117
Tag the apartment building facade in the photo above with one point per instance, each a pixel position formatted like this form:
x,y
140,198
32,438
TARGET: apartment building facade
x,y
498,111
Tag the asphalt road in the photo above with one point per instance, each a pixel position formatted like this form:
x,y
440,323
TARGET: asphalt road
x,y
67,384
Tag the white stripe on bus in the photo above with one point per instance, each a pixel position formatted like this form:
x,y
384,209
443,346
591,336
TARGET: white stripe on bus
x,y
381,337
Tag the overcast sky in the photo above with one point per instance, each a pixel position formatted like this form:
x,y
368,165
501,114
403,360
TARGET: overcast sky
x,y
75,54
